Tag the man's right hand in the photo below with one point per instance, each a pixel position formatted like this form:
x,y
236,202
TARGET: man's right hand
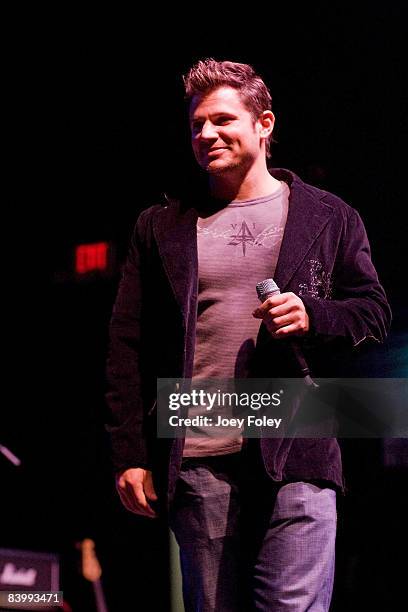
x,y
135,488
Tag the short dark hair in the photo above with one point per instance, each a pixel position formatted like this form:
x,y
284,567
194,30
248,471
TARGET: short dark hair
x,y
209,74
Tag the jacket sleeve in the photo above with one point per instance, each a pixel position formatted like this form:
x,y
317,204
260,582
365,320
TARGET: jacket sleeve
x,y
359,310
124,395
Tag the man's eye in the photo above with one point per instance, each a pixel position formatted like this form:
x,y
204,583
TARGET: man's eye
x,y
223,120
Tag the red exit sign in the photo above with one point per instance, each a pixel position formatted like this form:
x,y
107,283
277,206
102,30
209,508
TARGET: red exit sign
x,y
92,257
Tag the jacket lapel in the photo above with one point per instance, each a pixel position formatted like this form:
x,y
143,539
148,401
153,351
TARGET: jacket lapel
x,y
176,237
307,217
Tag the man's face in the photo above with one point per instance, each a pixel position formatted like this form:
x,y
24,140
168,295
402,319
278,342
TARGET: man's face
x,y
223,133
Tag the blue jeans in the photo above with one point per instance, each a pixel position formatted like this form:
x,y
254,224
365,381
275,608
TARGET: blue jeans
x,y
247,543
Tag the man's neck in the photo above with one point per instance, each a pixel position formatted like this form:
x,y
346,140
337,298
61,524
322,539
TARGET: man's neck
x,y
252,185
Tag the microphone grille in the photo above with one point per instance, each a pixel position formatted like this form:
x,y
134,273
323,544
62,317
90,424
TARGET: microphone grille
x,y
266,288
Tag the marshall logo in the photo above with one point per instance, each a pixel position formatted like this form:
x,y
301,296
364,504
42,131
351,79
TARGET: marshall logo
x,y
21,577
25,570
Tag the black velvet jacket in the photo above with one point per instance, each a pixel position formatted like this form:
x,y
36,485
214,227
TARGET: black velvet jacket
x,y
324,258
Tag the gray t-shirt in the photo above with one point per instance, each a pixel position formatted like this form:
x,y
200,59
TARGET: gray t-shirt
x,y
238,246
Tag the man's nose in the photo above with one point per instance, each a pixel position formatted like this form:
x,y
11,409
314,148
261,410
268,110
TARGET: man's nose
x,y
208,131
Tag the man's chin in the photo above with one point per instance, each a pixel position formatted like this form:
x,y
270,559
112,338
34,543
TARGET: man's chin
x,y
218,168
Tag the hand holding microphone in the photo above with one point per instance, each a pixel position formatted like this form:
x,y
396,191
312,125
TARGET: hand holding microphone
x,y
285,316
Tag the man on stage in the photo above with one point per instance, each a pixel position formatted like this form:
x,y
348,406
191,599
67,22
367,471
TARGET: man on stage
x,y
255,519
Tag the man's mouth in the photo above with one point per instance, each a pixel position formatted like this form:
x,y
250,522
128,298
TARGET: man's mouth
x,y
215,150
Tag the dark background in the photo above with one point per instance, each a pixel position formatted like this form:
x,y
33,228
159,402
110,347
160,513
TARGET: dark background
x,y
95,130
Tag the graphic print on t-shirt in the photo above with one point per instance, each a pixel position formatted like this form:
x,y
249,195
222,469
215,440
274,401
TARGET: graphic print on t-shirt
x,y
241,234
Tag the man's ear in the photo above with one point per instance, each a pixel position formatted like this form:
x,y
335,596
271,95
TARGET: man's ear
x,y
266,123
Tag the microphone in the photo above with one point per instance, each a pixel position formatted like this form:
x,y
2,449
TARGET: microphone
x,y
266,289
